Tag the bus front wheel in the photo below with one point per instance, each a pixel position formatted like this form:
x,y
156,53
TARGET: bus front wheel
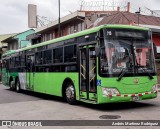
x,y
70,94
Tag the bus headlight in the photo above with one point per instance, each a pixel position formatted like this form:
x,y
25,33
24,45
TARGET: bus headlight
x,y
154,88
109,91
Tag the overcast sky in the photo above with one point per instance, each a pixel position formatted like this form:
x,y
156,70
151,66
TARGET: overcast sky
x,y
14,13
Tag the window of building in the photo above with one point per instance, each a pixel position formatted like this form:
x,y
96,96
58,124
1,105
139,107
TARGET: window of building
x,y
69,30
12,46
75,28
83,28
51,36
80,27
72,30
62,32
48,37
43,37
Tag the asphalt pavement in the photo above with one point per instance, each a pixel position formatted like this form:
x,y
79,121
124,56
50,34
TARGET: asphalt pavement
x,y
34,106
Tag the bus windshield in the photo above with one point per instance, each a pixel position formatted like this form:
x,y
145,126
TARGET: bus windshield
x,y
129,50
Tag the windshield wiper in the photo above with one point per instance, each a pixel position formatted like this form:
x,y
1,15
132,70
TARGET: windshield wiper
x,y
122,74
150,76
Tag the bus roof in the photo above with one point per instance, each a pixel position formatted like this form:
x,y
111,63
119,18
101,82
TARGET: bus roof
x,y
88,31
9,52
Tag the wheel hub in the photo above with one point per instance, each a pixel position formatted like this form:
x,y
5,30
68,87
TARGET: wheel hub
x,y
70,92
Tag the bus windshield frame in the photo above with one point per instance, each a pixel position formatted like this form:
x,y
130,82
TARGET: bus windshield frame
x,y
127,50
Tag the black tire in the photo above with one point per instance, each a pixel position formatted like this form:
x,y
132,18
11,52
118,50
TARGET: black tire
x,y
11,85
70,93
18,87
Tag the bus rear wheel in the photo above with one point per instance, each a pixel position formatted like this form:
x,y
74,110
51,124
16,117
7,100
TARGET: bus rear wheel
x,y
18,88
70,94
11,85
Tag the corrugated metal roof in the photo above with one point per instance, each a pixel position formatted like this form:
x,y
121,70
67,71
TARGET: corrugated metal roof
x,y
129,18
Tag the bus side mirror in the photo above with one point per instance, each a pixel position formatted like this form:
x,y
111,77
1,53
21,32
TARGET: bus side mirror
x,y
97,50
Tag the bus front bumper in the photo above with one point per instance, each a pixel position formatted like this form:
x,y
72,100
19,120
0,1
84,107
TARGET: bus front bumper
x,y
129,97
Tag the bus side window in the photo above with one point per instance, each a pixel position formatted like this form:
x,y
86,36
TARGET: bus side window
x,y
38,58
58,55
12,62
22,60
47,57
71,68
7,64
70,53
17,61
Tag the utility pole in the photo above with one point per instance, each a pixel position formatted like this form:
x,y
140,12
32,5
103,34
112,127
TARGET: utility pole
x,y
59,22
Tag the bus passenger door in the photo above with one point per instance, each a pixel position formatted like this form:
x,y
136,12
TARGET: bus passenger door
x,y
87,75
30,72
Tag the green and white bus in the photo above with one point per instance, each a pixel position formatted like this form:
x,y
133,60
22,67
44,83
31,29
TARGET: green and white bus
x,y
105,64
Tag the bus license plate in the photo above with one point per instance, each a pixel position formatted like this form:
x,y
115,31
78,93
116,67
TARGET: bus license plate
x,y
135,98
